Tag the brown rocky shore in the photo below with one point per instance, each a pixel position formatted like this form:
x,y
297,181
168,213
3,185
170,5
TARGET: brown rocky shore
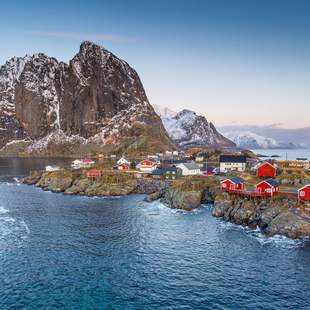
x,y
274,216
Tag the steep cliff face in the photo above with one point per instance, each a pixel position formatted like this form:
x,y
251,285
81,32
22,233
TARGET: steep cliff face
x,y
95,103
189,130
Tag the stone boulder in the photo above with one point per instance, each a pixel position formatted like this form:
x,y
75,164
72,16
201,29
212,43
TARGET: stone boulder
x,y
188,201
289,224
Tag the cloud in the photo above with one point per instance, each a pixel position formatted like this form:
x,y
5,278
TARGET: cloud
x,y
83,36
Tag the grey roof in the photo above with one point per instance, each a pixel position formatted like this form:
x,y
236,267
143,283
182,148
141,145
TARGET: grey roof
x,y
233,159
157,172
191,166
272,182
237,180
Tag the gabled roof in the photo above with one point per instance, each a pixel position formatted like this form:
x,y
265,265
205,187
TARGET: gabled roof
x,y
271,182
235,180
233,159
191,166
305,186
266,163
170,169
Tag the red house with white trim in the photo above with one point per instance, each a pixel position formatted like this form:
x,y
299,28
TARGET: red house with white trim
x,y
234,183
266,170
268,187
304,193
123,166
147,165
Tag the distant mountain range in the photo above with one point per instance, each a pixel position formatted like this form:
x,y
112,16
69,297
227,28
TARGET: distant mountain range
x,y
263,137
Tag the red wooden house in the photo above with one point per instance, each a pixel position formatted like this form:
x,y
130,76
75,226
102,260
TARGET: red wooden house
x,y
234,183
123,166
268,187
148,165
304,193
266,170
94,173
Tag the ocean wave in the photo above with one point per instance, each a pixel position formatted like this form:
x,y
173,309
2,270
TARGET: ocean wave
x,y
262,239
3,210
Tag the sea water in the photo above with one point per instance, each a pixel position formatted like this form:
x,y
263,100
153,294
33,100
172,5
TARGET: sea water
x,y
71,252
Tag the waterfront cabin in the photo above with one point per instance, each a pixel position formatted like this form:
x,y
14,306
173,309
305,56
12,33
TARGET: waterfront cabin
x,y
189,169
148,165
123,166
123,160
172,173
266,170
232,163
157,173
235,183
83,163
304,193
94,173
267,187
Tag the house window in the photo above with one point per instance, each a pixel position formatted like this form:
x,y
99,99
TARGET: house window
x,y
224,185
302,193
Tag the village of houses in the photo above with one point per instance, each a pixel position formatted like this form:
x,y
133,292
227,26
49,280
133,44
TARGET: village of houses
x,y
236,172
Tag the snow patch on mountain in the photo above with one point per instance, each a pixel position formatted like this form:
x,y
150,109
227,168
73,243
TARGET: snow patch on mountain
x,y
189,130
164,112
250,140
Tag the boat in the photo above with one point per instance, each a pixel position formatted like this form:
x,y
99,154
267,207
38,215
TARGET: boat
x,y
50,168
82,163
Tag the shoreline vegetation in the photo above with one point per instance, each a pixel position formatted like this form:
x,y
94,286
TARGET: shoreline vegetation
x,y
280,215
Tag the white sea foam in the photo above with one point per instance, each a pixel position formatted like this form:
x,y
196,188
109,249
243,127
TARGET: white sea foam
x,y
3,210
261,238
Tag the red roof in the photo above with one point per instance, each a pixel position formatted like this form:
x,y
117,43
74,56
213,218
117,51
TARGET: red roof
x,y
94,173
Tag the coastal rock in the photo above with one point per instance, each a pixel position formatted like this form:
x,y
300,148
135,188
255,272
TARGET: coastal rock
x,y
154,196
101,189
182,200
33,178
149,186
221,205
289,224
79,187
55,182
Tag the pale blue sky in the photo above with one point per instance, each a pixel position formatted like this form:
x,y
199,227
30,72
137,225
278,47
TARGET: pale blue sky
x,y
241,61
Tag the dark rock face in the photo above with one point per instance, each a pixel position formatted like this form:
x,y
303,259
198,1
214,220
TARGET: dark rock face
x,y
98,98
274,217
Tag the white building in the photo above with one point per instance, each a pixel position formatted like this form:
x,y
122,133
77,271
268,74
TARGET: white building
x,y
123,160
232,163
189,169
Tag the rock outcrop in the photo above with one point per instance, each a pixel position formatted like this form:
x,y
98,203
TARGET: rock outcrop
x,y
280,216
96,103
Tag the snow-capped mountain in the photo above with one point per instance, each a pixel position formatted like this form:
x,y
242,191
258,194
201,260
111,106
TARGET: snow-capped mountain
x,y
164,112
189,130
250,140
95,103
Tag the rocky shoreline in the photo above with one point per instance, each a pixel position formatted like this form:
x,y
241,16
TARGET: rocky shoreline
x,y
274,216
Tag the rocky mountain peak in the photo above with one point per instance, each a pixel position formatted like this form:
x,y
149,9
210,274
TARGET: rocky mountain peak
x,y
189,130
97,97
